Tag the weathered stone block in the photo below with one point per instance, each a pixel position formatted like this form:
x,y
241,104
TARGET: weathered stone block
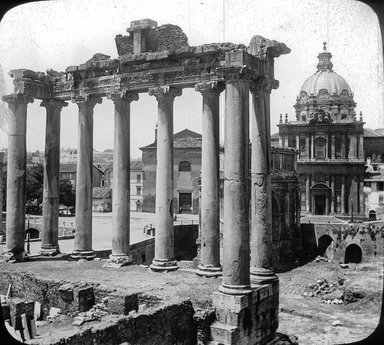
x,y
17,307
76,297
225,334
122,304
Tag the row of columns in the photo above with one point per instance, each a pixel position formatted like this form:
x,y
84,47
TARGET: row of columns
x,y
356,189
236,239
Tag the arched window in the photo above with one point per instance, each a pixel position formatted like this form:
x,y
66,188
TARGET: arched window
x,y
184,166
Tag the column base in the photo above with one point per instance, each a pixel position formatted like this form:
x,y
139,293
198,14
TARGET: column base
x,y
262,276
18,257
163,265
209,271
118,260
49,251
83,254
235,289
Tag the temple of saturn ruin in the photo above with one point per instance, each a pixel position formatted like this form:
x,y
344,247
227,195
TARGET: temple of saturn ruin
x,y
159,61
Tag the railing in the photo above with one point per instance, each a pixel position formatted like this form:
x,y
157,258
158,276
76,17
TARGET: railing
x,y
149,229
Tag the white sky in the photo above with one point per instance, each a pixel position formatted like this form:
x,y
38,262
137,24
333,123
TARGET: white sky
x,y
44,35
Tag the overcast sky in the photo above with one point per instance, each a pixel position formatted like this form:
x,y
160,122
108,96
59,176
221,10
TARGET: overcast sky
x,y
44,35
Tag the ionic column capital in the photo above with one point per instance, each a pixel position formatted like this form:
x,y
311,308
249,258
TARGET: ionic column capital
x,y
87,100
209,86
17,98
123,96
165,93
53,104
263,84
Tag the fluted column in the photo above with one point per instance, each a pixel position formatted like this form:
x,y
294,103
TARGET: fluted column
x,y
307,193
261,206
236,250
121,179
164,239
210,203
50,233
342,196
83,234
16,168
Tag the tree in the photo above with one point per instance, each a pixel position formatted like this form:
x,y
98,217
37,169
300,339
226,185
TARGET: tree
x,y
34,183
67,193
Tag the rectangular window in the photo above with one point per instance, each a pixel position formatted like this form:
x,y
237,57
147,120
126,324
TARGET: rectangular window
x,y
381,199
138,190
380,186
138,178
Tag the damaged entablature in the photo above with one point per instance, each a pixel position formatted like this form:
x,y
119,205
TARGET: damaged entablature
x,y
152,56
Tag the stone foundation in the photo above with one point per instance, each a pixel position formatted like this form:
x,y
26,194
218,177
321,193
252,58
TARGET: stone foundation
x,y
246,319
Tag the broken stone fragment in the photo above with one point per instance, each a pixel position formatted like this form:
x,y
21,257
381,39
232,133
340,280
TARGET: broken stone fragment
x,y
79,320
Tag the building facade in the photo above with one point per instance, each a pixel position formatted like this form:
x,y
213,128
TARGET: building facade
x,y
329,139
186,170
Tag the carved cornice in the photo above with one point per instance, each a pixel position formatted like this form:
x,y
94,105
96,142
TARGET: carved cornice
x,y
243,72
210,86
165,93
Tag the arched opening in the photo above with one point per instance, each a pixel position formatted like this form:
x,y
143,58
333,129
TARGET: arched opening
x,y
372,215
184,166
33,233
353,254
325,247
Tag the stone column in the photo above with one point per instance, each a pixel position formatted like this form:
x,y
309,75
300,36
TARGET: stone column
x,y
164,239
343,146
1,192
16,168
342,196
352,146
333,147
307,150
210,180
261,205
326,147
307,194
121,179
361,147
236,250
83,235
332,182
50,233
312,146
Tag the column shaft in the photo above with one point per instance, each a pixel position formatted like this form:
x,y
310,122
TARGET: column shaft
x,y
261,223
307,193
342,196
332,181
1,191
236,251
164,238
16,168
121,181
333,148
83,235
50,234
210,216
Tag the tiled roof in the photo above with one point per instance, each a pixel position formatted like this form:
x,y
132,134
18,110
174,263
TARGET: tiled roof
x,y
371,133
101,192
184,138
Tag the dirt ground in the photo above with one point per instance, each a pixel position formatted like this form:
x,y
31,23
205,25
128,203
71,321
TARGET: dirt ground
x,y
304,317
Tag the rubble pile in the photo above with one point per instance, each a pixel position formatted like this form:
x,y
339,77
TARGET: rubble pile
x,y
94,314
330,293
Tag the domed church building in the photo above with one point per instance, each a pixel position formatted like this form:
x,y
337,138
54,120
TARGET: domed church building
x,y
329,139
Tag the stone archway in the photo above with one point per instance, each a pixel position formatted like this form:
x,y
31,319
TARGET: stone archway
x,y
353,254
372,215
325,247
33,233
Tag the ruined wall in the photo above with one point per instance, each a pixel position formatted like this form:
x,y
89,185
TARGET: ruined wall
x,y
369,237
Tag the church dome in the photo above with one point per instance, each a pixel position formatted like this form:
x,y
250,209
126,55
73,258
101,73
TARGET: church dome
x,y
327,91
325,78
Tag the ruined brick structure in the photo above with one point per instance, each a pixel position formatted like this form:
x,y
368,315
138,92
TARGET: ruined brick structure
x,y
160,62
